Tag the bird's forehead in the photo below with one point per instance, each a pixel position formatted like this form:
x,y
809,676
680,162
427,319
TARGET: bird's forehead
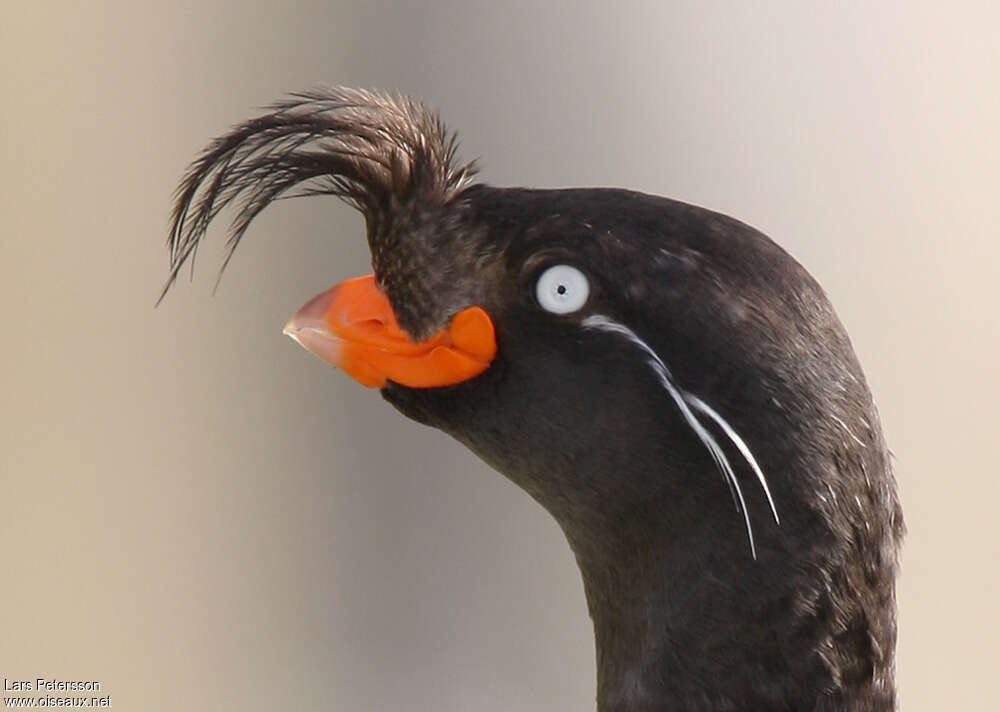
x,y
431,262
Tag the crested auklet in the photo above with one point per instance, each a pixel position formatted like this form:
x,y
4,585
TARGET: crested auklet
x,y
670,384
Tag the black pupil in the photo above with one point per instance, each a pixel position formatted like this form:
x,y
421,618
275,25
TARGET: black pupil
x,y
561,289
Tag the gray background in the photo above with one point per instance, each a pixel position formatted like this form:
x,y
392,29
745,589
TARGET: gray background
x,y
202,516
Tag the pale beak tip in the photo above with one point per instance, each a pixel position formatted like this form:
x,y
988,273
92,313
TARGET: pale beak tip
x,y
315,339
309,328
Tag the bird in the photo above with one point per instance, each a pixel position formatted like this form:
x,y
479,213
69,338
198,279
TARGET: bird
x,y
670,384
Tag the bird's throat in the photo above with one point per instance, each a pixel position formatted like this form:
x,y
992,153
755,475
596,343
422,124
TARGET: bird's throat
x,y
680,627
638,600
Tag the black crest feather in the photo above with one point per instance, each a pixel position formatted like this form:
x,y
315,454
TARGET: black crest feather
x,y
367,148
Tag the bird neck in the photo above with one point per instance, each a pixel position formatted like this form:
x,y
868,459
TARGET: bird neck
x,y
646,604
631,612
682,622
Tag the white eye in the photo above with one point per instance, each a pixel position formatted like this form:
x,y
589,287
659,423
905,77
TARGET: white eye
x,y
562,289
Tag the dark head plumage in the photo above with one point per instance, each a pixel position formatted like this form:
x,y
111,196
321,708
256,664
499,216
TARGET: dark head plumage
x,y
385,155
702,347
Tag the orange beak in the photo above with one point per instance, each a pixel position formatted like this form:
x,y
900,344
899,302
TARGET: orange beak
x,y
352,327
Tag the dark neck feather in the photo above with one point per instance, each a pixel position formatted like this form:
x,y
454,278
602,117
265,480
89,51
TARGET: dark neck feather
x,y
685,619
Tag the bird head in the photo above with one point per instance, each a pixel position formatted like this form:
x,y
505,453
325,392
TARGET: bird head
x,y
667,381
